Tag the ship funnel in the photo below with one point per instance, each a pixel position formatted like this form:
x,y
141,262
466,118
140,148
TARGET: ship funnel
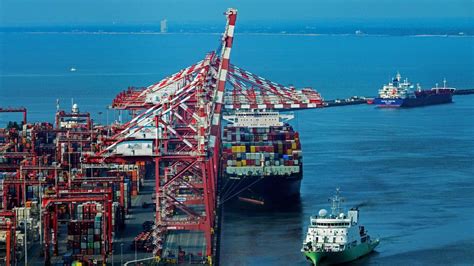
x,y
75,108
353,215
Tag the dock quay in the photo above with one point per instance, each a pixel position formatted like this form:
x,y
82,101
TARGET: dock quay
x,y
354,100
463,91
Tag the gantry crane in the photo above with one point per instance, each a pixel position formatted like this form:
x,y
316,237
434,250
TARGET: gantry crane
x,y
15,110
177,124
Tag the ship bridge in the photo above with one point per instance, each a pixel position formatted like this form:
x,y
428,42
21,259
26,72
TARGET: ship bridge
x,y
323,222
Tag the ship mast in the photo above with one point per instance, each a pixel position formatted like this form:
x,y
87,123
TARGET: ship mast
x,y
399,77
336,203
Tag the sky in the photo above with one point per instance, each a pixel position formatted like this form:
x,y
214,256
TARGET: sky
x,y
77,12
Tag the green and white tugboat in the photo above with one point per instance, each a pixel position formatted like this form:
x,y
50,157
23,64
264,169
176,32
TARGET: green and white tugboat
x,y
338,237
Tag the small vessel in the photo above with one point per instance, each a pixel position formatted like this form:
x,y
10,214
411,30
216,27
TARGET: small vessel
x,y
337,237
401,93
72,69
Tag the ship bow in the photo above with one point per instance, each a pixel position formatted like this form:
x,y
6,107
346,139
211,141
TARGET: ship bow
x,y
313,257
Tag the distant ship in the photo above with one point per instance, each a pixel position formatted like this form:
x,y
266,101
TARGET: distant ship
x,y
338,237
401,93
72,69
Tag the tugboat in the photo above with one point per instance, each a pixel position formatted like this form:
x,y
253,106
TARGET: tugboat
x,y
401,93
338,237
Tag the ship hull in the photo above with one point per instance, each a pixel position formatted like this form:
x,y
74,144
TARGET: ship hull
x,y
428,100
341,257
414,102
388,103
264,190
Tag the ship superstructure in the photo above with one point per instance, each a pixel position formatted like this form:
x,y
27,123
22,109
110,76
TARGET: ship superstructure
x,y
337,237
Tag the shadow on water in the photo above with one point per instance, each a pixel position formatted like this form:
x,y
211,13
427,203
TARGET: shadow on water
x,y
266,228
365,260
237,206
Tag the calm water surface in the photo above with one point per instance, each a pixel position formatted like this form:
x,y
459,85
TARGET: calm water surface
x,y
410,171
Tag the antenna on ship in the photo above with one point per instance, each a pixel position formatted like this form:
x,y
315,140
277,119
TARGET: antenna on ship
x,y
399,77
336,203
444,82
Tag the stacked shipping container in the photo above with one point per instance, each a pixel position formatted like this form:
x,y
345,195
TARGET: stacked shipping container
x,y
261,164
272,146
85,233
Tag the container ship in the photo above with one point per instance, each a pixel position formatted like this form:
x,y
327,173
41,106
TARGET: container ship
x,y
262,158
401,93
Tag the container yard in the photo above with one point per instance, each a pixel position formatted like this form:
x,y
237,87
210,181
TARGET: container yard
x,y
76,192
50,197
68,187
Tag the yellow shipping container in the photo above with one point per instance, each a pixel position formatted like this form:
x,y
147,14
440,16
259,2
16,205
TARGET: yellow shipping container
x,y
238,164
252,149
289,152
242,148
244,163
293,145
235,149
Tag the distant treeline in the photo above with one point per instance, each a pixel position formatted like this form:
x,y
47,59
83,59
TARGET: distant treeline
x,y
372,27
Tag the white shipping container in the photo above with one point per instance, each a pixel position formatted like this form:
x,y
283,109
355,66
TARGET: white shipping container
x,y
22,213
129,148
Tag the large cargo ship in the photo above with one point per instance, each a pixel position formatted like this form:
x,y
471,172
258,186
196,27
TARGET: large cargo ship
x,y
262,158
401,93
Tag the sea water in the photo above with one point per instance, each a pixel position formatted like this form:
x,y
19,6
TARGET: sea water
x,y
410,171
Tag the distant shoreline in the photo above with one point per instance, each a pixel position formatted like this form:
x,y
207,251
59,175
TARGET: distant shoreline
x,y
241,33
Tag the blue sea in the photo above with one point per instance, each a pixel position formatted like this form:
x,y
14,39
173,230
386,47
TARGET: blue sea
x,y
410,171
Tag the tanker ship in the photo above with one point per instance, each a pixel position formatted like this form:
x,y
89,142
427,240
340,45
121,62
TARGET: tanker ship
x,y
401,93
262,158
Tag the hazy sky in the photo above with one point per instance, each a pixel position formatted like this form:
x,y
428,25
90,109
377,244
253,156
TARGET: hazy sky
x,y
43,12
